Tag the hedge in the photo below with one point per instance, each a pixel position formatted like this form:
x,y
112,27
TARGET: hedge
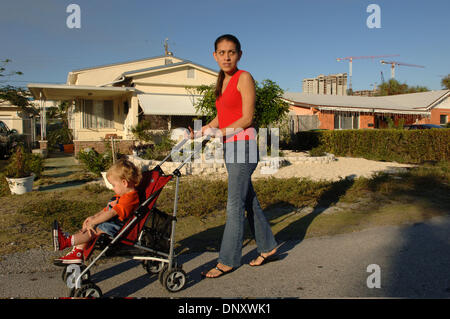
x,y
402,146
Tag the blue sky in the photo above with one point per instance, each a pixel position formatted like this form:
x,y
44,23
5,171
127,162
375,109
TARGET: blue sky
x,y
283,40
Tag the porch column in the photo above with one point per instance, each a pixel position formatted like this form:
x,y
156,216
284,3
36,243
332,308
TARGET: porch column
x,y
43,143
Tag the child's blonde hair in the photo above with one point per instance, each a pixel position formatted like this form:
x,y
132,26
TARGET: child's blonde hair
x,y
124,169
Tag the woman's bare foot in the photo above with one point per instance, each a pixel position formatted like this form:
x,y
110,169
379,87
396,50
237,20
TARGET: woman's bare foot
x,y
258,261
218,271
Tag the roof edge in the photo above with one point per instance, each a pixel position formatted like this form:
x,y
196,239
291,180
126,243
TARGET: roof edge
x,y
125,62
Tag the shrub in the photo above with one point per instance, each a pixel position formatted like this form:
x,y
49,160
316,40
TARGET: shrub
x,y
22,164
61,135
403,146
95,162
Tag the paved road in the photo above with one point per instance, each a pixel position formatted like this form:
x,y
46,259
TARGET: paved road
x,y
413,260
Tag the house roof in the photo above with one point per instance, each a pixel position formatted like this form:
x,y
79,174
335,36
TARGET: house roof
x,y
65,91
183,61
167,66
124,62
408,103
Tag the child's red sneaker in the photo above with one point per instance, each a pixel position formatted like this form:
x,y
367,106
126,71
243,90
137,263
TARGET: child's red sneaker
x,y
74,257
60,239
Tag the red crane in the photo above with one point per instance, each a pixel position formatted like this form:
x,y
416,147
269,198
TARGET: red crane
x,y
351,58
394,63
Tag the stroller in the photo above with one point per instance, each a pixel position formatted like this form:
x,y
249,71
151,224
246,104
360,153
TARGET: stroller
x,y
148,235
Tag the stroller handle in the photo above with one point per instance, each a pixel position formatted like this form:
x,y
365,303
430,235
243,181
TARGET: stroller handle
x,y
179,146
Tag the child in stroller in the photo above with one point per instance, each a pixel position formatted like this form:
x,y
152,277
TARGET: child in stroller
x,y
125,177
147,235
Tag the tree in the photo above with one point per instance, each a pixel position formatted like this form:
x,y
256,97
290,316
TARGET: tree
x,y
269,106
445,82
14,95
393,87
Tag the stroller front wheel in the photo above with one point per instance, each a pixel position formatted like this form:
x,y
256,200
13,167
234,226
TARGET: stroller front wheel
x,y
89,290
174,280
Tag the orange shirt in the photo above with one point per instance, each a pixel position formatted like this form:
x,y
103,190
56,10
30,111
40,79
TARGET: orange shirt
x,y
126,204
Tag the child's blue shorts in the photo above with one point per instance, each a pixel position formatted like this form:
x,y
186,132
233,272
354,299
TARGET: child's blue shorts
x,y
110,227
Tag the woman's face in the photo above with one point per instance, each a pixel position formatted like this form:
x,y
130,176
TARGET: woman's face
x,y
226,56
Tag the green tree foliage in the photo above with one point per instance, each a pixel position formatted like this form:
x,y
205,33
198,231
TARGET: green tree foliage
x,y
14,95
393,87
269,107
445,82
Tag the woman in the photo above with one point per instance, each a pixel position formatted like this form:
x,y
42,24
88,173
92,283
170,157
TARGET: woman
x,y
235,103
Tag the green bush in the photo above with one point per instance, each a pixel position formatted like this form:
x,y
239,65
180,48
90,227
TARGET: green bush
x,y
159,151
94,161
403,146
22,164
61,135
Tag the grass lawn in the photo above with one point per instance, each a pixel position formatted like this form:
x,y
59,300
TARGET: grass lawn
x,y
296,208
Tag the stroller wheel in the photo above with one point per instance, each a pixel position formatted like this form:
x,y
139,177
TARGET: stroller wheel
x,y
89,290
152,266
174,280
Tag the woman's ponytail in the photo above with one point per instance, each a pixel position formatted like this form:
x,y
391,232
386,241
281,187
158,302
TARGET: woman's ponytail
x,y
219,84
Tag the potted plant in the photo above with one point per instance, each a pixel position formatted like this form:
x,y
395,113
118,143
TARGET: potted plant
x,y
62,137
21,171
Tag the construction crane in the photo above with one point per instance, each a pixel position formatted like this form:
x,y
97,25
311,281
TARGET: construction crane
x,y
382,77
351,58
394,63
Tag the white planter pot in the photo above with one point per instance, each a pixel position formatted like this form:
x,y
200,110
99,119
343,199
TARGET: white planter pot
x,y
21,185
108,185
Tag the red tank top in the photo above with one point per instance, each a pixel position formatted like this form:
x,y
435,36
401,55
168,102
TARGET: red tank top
x,y
229,110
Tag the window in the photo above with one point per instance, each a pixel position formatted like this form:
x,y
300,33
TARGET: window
x,y
346,121
98,114
443,119
191,73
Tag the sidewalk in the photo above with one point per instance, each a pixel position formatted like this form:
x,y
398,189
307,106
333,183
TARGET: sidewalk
x,y
413,260
61,171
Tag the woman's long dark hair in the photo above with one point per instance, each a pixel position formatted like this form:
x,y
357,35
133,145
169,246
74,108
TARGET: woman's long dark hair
x,y
231,38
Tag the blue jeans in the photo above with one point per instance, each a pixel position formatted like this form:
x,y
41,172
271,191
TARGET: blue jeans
x,y
241,159
111,227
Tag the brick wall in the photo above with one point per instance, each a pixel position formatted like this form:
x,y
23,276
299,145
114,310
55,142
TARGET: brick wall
x,y
365,120
326,120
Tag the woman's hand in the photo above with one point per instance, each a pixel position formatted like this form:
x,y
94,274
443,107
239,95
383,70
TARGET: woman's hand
x,y
206,130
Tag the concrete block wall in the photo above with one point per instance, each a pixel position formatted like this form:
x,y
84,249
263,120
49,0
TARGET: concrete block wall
x,y
205,168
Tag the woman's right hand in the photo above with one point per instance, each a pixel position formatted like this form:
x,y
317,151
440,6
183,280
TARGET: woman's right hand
x,y
197,134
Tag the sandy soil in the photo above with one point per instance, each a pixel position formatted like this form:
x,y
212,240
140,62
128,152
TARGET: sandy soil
x,y
341,168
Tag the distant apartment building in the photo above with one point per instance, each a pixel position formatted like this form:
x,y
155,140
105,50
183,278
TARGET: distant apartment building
x,y
332,84
365,93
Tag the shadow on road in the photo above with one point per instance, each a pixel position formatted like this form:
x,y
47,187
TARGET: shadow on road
x,y
288,238
421,263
